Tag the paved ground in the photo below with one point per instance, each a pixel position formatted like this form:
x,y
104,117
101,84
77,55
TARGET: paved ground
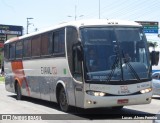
x,y
28,106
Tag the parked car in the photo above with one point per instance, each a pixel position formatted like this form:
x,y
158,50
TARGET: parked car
x,y
156,83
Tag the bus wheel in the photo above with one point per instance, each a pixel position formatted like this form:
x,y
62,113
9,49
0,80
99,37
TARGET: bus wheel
x,y
117,108
18,92
63,100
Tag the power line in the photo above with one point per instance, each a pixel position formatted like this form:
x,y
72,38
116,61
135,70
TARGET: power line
x,y
123,10
7,5
136,9
147,10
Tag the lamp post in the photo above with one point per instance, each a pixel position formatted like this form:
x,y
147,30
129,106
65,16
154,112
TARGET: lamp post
x,y
99,9
28,23
75,17
75,12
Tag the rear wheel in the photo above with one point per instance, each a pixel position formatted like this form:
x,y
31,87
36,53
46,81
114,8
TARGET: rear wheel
x,y
18,91
63,100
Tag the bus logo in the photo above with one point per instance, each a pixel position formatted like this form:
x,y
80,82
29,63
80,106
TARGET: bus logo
x,y
124,90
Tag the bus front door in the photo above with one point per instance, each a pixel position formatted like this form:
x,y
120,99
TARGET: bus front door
x,y
78,76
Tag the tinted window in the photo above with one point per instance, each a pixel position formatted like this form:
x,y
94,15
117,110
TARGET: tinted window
x,y
12,51
27,48
36,46
6,51
58,42
19,49
46,40
71,38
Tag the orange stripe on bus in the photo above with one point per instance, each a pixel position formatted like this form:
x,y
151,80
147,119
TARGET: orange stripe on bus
x,y
17,68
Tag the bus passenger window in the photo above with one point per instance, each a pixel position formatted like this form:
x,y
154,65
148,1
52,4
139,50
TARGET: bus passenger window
x,y
58,42
61,42
6,52
46,44
27,48
36,46
18,50
55,48
12,51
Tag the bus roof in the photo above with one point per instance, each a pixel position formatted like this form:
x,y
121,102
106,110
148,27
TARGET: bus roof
x,y
81,23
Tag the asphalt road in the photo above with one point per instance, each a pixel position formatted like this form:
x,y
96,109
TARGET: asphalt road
x,y
35,109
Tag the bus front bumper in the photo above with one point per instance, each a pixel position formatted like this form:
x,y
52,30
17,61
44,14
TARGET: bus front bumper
x,y
112,101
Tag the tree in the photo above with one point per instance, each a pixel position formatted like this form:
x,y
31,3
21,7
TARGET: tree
x,y
152,44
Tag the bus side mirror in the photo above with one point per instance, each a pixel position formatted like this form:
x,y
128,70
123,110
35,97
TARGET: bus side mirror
x,y
79,53
154,58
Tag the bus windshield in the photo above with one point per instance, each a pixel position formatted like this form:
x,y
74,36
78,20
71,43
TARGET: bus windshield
x,y
115,53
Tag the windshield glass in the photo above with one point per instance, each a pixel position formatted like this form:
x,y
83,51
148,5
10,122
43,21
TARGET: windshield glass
x,y
115,53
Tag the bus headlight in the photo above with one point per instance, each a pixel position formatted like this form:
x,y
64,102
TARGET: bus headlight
x,y
96,93
146,90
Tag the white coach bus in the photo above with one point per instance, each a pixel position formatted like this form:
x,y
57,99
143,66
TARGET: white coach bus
x,y
86,64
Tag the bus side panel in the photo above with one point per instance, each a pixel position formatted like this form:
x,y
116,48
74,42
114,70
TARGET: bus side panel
x,y
45,87
32,74
64,76
70,87
19,76
42,76
38,78
9,77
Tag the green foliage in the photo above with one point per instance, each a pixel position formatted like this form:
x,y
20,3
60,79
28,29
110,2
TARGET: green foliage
x,y
152,44
2,79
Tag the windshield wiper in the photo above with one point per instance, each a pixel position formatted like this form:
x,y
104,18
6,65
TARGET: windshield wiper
x,y
113,68
117,60
131,68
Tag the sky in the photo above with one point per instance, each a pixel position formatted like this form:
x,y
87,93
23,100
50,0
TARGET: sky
x,y
51,12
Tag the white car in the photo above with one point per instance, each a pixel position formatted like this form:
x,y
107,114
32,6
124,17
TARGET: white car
x,y
156,83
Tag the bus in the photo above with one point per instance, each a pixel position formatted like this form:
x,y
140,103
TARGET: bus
x,y
85,64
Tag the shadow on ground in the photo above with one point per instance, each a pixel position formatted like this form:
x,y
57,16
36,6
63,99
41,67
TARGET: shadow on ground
x,y
86,114
157,98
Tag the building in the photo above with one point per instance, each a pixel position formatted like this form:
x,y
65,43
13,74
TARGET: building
x,y
7,32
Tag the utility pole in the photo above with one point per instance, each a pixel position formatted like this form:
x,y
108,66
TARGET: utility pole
x,y
99,9
28,23
75,12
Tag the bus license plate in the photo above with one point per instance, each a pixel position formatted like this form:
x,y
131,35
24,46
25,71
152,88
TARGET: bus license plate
x,y
122,101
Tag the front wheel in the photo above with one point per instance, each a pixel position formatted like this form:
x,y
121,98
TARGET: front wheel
x,y
63,100
18,92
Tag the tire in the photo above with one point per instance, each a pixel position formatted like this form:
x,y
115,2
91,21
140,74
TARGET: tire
x,y
18,92
63,102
